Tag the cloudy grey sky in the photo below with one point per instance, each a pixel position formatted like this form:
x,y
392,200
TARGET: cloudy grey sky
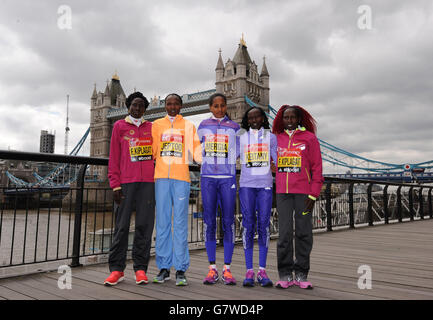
x,y
370,89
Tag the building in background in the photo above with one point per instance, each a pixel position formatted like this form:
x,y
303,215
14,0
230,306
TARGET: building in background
x,y
47,142
240,77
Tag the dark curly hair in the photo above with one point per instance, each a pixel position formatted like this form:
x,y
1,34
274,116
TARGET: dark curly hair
x,y
246,126
134,95
305,119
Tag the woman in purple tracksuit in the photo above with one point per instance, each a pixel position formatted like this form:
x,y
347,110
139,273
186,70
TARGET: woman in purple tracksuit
x,y
218,182
257,147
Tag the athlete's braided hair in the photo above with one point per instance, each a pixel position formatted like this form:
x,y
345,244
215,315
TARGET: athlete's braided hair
x,y
305,119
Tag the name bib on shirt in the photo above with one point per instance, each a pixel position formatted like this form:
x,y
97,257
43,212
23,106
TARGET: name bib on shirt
x,y
256,155
289,160
140,149
172,145
216,145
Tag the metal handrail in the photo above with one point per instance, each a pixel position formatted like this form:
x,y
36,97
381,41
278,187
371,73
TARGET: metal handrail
x,y
326,198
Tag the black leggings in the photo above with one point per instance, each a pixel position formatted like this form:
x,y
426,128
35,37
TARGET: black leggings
x,y
287,204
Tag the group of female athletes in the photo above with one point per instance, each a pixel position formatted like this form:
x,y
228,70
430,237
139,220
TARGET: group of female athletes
x,y
148,167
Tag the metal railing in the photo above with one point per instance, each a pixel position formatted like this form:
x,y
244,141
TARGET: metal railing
x,y
40,225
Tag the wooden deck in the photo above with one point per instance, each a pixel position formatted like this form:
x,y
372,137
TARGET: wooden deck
x,y
399,255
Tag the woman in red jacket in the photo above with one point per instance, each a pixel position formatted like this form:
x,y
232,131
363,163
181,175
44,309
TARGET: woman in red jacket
x,y
298,183
131,176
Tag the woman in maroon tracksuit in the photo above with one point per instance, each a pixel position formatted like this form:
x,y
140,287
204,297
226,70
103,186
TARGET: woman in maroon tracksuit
x,y
131,176
298,183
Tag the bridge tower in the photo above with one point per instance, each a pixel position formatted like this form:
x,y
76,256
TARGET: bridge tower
x,y
100,125
240,77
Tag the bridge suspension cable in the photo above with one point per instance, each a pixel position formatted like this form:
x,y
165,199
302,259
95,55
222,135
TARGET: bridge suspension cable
x,y
48,180
344,158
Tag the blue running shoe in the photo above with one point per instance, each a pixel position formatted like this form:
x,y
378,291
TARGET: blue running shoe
x,y
249,279
263,278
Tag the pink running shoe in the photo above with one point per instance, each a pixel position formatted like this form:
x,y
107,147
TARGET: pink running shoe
x,y
302,282
284,284
212,276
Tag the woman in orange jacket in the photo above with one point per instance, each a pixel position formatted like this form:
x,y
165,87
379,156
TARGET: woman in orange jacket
x,y
175,146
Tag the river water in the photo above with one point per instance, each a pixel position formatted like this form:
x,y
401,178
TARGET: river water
x,y
32,236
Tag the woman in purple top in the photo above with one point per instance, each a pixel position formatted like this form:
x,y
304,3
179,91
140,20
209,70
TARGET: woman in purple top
x,y
258,146
219,139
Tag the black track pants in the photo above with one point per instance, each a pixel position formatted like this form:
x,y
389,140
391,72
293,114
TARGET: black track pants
x,y
287,205
139,196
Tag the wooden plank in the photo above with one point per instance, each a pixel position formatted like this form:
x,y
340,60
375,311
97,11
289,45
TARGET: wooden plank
x,y
122,290
389,268
22,285
51,287
50,283
9,294
336,256
379,289
404,278
95,290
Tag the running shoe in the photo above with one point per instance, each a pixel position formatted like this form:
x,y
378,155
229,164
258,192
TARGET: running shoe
x,y
114,278
285,283
181,279
301,281
162,276
212,276
263,279
141,277
228,277
249,279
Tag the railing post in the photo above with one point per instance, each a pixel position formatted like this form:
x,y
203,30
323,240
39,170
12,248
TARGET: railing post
x,y
411,211
370,205
430,207
399,209
77,217
385,204
351,210
328,207
421,204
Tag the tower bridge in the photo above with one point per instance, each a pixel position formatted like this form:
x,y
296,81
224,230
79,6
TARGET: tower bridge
x,y
237,78
243,85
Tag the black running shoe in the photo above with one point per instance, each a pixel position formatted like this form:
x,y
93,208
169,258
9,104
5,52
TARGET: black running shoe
x,y
162,276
